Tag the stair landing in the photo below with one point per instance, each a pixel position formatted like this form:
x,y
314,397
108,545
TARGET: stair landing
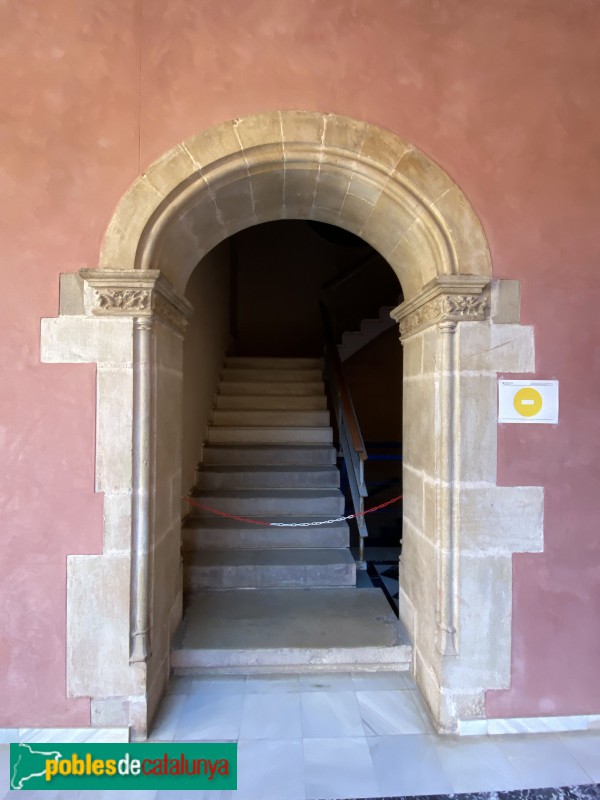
x,y
290,630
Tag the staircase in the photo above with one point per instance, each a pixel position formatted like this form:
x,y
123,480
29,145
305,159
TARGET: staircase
x,y
353,341
269,457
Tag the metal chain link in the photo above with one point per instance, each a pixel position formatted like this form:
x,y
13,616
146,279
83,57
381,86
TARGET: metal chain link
x,y
290,524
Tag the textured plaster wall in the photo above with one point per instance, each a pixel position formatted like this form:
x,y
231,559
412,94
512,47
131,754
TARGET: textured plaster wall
x,y
205,345
502,95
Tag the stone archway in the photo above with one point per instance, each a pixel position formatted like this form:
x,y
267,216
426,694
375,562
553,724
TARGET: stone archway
x,y
458,331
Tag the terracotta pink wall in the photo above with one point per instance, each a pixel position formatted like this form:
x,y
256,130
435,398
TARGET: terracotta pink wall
x,y
502,95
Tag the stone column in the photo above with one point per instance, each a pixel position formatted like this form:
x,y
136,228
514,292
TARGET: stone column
x,y
445,601
139,645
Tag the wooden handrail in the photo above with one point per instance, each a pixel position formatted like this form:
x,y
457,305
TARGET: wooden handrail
x,y
342,387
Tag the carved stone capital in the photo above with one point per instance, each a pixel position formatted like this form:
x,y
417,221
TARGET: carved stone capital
x,y
136,293
448,298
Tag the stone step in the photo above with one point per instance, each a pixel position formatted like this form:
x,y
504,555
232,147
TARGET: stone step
x,y
353,341
218,533
281,477
276,388
237,375
279,402
268,455
290,630
261,362
258,503
258,569
257,418
269,435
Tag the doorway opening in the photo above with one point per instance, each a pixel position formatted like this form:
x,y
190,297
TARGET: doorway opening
x,y
259,299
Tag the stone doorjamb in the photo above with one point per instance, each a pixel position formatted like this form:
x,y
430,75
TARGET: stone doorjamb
x,y
460,528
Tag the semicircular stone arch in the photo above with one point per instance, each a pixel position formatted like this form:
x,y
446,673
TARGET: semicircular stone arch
x,y
460,529
297,165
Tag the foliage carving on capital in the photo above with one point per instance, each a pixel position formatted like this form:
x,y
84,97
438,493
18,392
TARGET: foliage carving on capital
x,y
123,299
465,306
446,299
136,293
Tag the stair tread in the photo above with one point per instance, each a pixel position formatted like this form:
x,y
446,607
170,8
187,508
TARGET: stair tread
x,y
271,402
239,535
242,454
260,362
288,557
276,446
311,387
256,468
306,494
270,417
223,522
269,427
270,375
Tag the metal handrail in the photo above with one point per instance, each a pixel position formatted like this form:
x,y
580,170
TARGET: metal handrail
x,y
351,440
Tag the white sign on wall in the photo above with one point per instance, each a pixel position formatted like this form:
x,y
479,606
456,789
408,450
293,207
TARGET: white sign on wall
x,y
528,401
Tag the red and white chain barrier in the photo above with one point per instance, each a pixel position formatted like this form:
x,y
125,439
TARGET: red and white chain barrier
x,y
290,524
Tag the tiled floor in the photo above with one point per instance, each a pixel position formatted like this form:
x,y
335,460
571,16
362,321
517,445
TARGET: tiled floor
x,y
349,736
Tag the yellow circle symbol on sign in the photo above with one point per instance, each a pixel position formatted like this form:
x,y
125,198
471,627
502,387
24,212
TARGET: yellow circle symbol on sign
x,y
528,402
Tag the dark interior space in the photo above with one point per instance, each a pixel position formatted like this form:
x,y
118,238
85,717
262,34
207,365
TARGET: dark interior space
x,y
280,271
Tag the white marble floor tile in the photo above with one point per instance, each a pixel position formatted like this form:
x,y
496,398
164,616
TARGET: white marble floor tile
x,y
388,713
382,681
541,760
585,748
268,684
209,718
163,728
328,714
73,735
31,795
474,765
408,765
339,768
271,716
326,681
270,770
423,710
